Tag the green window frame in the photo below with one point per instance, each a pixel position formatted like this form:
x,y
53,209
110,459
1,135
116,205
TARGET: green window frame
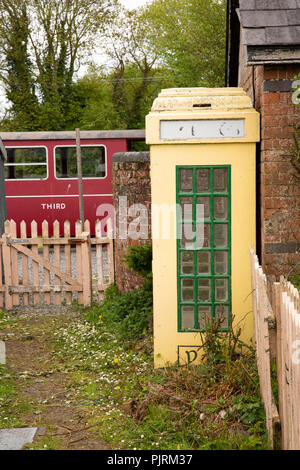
x,y
204,258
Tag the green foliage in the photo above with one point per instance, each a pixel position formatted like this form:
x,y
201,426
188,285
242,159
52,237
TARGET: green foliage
x,y
296,279
123,400
189,38
221,346
13,406
41,45
116,100
139,258
93,103
128,314
249,408
294,275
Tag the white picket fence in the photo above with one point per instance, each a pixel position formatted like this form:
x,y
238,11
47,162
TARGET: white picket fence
x,y
276,309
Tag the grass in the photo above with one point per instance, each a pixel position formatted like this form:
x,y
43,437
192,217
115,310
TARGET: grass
x,y
137,407
13,407
110,377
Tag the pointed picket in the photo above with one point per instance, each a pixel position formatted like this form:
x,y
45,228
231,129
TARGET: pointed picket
x,y
57,282
67,234
99,258
25,275
111,266
35,266
87,226
46,277
14,263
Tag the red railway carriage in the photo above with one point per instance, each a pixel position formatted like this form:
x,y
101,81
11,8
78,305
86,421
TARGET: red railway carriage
x,y
41,173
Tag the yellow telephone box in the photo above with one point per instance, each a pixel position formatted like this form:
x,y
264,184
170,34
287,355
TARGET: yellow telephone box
x,y
203,151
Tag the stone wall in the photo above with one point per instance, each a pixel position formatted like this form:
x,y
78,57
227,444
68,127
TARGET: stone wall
x,y
270,88
131,180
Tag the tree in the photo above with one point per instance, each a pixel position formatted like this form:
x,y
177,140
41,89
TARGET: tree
x,y
16,65
189,37
52,37
136,77
92,101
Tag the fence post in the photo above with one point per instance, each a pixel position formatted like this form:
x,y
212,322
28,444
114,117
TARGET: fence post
x,y
7,271
272,320
111,263
277,312
86,269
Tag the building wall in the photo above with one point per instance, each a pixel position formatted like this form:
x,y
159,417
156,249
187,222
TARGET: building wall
x,y
131,180
270,88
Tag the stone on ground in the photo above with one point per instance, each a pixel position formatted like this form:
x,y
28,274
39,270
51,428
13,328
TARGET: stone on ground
x,y
15,439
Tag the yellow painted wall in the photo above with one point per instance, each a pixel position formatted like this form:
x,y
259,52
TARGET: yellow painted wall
x,y
164,159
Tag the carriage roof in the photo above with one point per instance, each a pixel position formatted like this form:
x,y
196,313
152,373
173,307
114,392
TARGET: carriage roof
x,y
132,134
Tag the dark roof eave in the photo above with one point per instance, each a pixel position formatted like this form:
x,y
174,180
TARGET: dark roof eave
x,y
259,55
272,62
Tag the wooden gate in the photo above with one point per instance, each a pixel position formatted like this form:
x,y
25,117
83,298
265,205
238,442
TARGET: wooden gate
x,y
53,270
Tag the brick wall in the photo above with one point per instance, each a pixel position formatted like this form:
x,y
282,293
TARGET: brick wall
x,y
270,88
131,179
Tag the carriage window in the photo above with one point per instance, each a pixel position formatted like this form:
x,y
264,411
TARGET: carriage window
x,y
92,158
26,163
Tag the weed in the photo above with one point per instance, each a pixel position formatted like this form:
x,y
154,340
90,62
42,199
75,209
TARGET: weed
x,y
128,315
12,406
294,275
139,259
111,381
46,443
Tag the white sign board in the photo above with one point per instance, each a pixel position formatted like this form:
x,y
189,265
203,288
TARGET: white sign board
x,y
202,129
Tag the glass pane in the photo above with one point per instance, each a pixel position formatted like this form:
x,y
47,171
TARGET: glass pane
x,y
204,290
221,290
22,163
187,262
221,315
221,209
204,316
187,236
203,181
186,204
220,180
26,155
203,235
204,201
187,317
25,172
93,162
220,235
186,180
221,262
187,290
203,262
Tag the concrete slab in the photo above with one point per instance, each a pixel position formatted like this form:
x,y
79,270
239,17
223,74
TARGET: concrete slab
x,y
2,353
15,439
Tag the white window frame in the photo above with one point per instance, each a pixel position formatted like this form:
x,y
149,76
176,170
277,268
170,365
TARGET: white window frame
x,y
84,177
46,164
